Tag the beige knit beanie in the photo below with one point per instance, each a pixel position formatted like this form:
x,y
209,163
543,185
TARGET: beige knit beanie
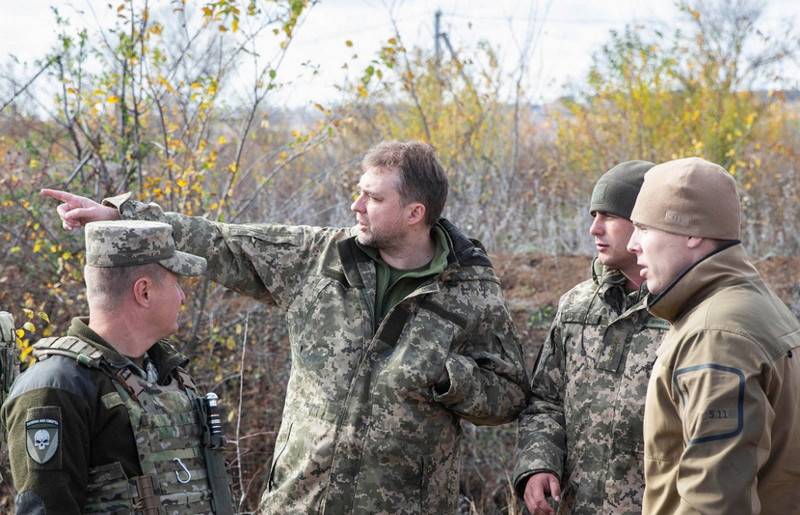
x,y
691,197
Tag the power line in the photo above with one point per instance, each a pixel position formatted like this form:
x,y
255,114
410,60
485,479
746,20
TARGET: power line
x,y
563,21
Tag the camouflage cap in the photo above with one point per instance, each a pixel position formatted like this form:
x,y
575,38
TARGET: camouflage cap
x,y
138,242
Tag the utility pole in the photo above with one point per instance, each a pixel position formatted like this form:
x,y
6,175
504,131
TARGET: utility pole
x,y
437,34
453,55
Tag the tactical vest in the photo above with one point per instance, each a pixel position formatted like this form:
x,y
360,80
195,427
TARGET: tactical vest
x,y
168,434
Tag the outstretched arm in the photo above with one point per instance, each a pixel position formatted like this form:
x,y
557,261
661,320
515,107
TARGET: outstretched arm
x,y
263,261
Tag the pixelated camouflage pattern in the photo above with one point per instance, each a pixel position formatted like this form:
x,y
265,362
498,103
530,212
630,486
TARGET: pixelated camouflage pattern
x,y
8,365
8,354
135,242
584,420
165,429
363,430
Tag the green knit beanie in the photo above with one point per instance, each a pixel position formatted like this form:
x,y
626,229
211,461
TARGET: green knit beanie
x,y
616,190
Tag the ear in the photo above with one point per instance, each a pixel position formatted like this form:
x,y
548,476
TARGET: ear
x,y
142,291
694,242
416,213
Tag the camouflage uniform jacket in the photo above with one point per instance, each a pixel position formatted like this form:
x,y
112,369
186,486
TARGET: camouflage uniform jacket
x,y
363,428
92,434
8,355
8,366
584,420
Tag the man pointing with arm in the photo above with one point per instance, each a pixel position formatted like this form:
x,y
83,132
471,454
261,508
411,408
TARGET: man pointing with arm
x,y
398,331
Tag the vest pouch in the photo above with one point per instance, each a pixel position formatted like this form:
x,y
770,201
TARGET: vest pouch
x,y
108,490
169,446
9,359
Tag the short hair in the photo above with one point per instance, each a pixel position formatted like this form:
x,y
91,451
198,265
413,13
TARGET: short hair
x,y
107,286
421,177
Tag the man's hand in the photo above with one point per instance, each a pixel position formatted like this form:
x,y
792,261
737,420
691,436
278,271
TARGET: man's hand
x,y
535,489
76,211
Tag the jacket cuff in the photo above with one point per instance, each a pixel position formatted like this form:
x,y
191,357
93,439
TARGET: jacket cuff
x,y
118,203
456,371
521,481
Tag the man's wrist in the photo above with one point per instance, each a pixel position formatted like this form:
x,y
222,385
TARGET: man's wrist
x,y
118,202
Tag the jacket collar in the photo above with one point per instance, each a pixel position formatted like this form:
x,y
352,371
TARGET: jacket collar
x,y
723,267
610,284
462,252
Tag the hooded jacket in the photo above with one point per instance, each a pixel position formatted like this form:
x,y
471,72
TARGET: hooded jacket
x,y
722,416
368,424
584,420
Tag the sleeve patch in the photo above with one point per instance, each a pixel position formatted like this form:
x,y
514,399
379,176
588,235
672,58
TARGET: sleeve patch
x,y
43,436
111,400
713,401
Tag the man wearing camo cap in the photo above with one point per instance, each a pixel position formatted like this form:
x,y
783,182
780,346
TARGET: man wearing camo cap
x,y
108,418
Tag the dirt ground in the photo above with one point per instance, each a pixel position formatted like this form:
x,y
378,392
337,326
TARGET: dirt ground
x,y
533,283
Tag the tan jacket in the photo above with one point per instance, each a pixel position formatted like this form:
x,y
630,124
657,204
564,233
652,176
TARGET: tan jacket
x,y
722,416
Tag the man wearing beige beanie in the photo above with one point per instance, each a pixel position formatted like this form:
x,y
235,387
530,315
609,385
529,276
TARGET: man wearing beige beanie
x,y
722,413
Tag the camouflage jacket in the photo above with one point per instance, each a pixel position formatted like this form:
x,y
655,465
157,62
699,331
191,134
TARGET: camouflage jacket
x,y
584,420
91,432
8,354
8,366
364,429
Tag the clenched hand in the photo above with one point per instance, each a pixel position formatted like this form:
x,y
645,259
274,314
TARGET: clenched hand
x,y
536,490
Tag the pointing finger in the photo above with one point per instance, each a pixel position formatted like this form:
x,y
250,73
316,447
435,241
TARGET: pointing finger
x,y
63,196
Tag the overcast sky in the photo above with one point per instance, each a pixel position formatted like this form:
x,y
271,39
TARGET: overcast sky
x,y
568,32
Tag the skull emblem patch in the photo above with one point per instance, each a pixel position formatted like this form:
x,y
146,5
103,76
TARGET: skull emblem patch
x,y
41,439
42,436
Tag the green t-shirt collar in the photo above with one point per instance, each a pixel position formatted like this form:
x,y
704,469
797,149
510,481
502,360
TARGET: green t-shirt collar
x,y
393,285
434,267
